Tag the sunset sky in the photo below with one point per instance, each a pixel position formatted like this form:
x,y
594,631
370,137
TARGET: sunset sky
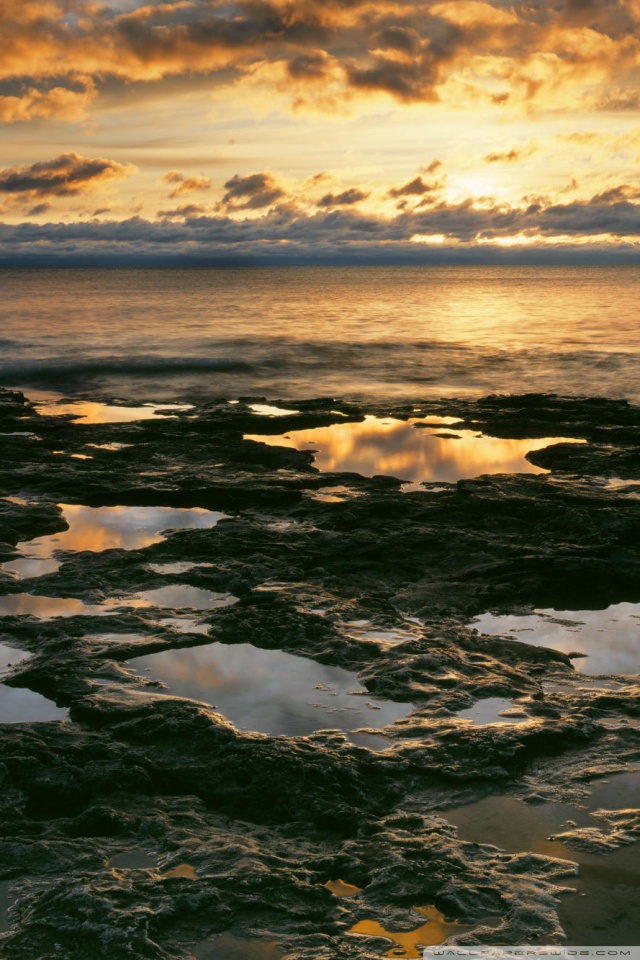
x,y
267,131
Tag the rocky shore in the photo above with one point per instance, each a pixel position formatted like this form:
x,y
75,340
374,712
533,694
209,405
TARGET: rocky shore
x,y
147,825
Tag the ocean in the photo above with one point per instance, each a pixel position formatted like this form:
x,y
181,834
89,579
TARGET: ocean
x,y
352,332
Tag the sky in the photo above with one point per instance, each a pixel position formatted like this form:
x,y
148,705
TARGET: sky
x,y
319,130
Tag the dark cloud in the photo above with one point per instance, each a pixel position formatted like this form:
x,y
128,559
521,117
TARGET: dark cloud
x,y
344,199
252,192
404,48
182,213
619,194
415,188
53,103
398,38
407,80
66,175
185,184
317,178
308,67
337,233
38,209
509,156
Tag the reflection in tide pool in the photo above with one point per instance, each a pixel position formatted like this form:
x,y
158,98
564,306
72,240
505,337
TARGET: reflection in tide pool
x,y
516,826
179,595
609,639
45,608
411,450
10,655
175,596
269,691
606,906
106,528
50,404
268,410
409,944
227,947
341,889
19,705
490,710
181,566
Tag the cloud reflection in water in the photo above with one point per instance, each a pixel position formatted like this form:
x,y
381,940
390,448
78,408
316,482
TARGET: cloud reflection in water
x,y
410,451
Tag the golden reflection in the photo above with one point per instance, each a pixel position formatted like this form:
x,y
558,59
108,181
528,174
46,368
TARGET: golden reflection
x,y
268,410
107,528
410,451
24,604
341,889
434,931
184,870
86,411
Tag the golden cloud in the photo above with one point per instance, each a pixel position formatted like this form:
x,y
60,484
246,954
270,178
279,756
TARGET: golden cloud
x,y
542,54
65,176
58,103
185,184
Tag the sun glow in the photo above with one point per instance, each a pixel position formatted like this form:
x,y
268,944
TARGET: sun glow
x,y
329,133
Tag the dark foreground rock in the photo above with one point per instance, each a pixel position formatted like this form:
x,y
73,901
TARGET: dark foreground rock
x,y
148,825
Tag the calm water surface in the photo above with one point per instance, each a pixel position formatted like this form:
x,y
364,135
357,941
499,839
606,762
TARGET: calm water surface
x,y
410,450
301,331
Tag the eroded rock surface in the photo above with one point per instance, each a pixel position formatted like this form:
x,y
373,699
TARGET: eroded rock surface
x,y
148,826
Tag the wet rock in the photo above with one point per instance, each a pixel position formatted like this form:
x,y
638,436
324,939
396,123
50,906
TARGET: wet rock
x,y
382,584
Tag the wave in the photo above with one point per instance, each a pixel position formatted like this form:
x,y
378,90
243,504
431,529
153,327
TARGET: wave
x,y
278,367
55,370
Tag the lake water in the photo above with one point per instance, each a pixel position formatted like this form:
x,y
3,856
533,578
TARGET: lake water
x,y
293,332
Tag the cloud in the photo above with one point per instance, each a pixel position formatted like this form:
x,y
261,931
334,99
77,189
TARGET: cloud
x,y
606,222
618,194
551,54
57,103
346,198
510,156
415,188
308,67
251,192
66,175
318,178
185,184
183,212
39,209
